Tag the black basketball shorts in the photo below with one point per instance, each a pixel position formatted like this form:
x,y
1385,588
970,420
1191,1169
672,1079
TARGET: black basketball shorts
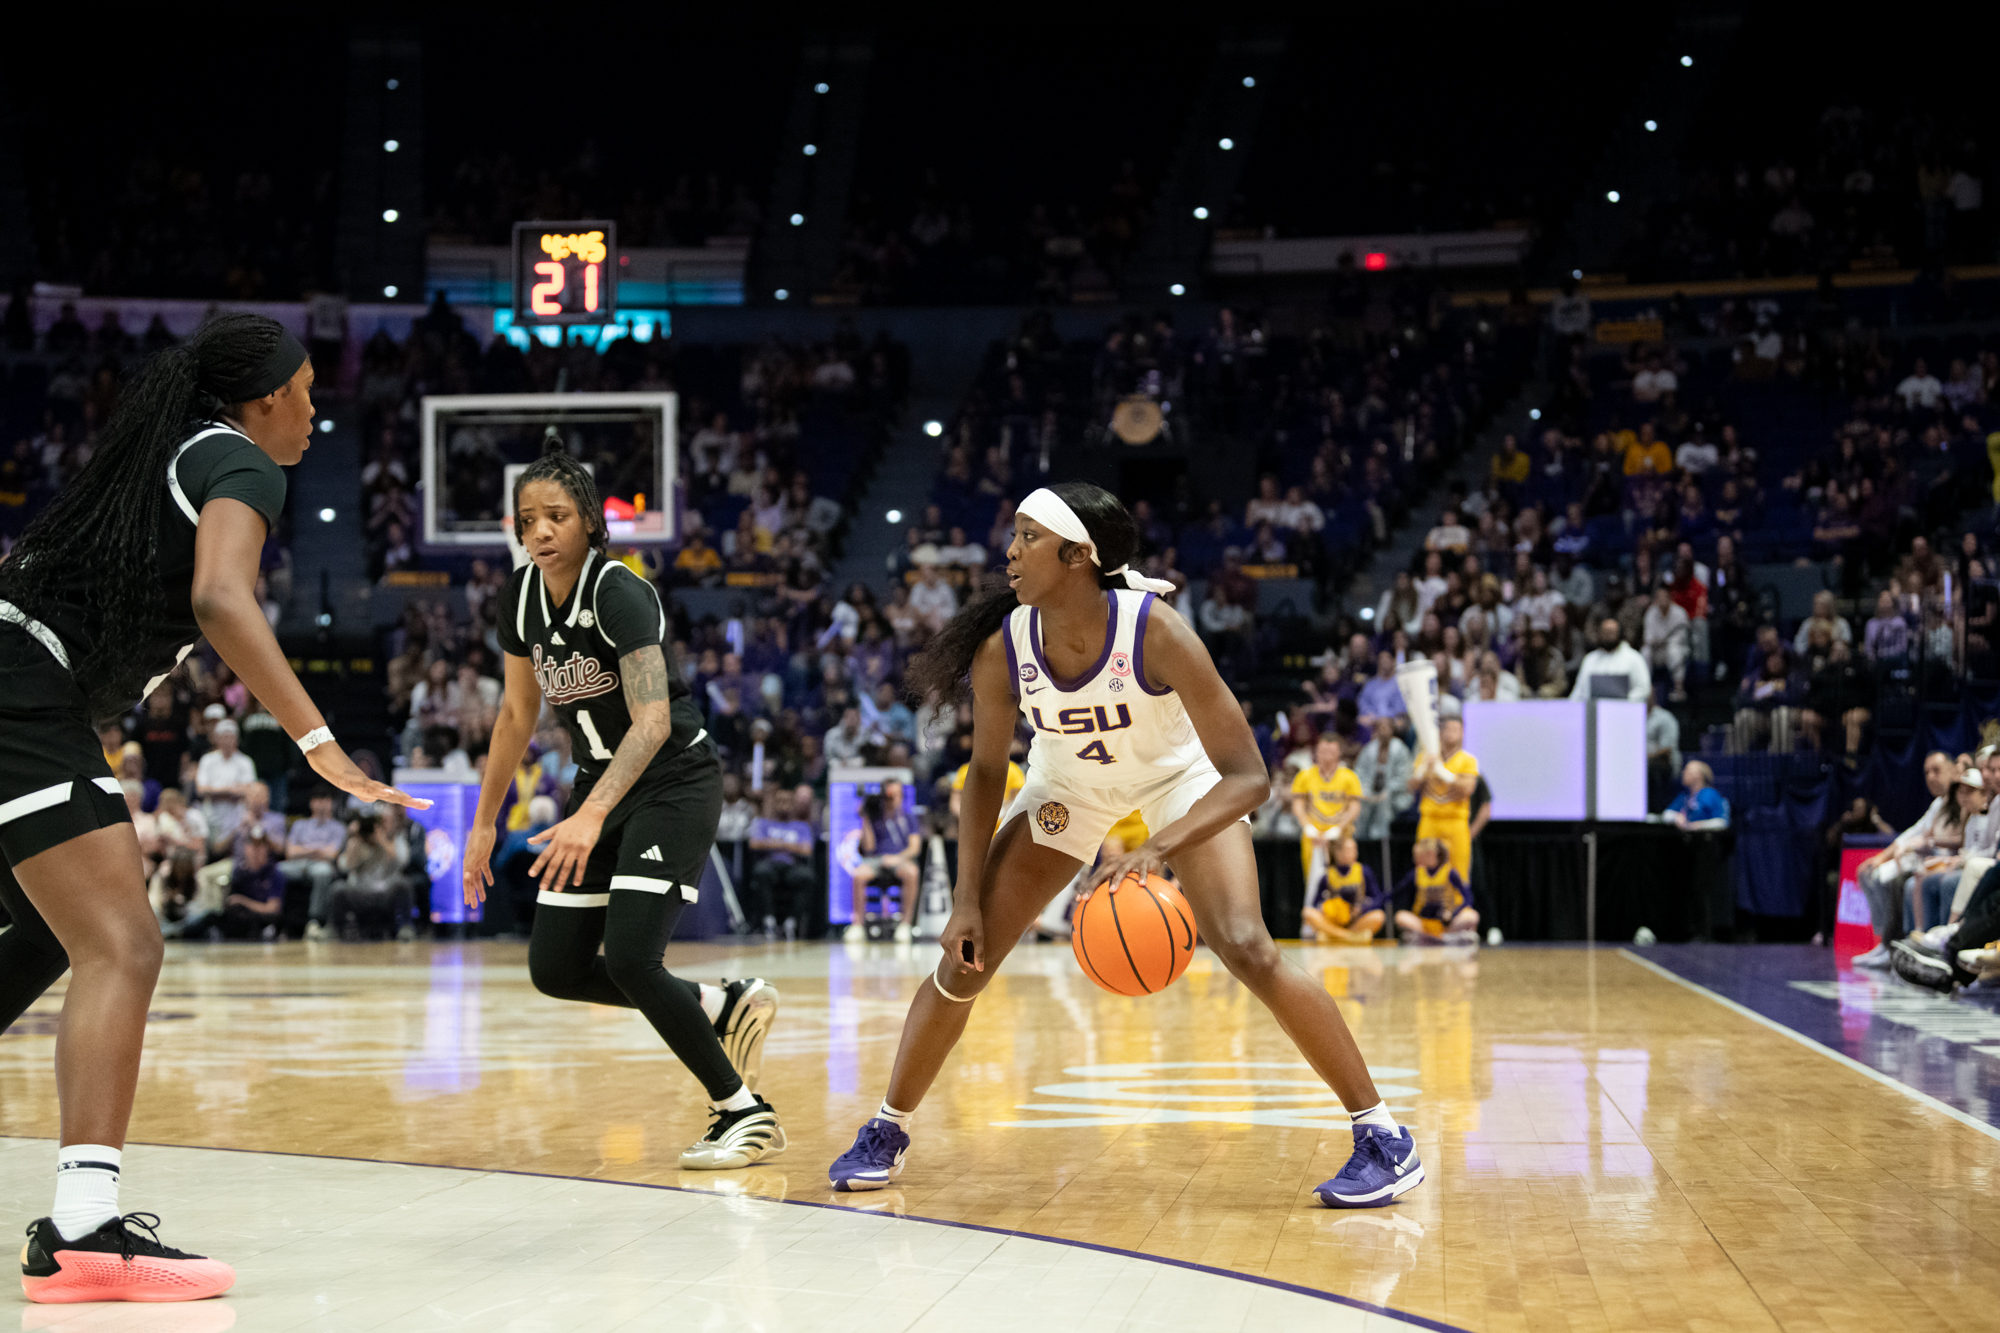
x,y
53,784
658,838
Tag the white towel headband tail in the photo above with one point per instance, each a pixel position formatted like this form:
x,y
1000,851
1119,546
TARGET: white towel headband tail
x,y
1053,512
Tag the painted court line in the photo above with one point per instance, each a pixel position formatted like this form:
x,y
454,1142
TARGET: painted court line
x,y
1802,1039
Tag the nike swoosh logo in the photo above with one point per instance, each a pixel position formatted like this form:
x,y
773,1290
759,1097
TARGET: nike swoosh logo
x,y
1037,690
1400,1168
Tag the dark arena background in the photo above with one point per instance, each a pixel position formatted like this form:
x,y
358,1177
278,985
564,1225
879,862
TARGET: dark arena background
x,y
1640,373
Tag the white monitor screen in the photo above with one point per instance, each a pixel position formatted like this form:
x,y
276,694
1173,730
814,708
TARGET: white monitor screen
x,y
1621,759
1532,754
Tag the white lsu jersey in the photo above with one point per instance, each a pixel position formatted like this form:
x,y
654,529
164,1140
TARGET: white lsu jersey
x,y
1106,728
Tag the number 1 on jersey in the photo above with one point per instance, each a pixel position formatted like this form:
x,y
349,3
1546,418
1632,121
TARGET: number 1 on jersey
x,y
589,729
1095,750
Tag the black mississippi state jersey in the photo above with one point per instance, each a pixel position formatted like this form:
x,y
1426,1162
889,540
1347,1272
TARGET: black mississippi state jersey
x,y
574,648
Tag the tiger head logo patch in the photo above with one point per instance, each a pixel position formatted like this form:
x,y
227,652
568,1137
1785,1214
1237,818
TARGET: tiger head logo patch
x,y
1053,816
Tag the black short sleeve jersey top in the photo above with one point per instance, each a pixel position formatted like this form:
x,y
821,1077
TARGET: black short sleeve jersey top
x,y
215,461
574,647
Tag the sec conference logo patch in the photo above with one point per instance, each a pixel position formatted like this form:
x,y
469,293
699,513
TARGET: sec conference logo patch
x,y
1053,816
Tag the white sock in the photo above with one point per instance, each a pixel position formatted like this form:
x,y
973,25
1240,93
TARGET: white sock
x,y
86,1188
901,1118
742,1101
711,1000
1376,1115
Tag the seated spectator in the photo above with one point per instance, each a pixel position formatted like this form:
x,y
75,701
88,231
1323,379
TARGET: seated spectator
x,y
782,882
932,599
253,814
1267,506
1698,804
697,562
890,844
1492,682
1654,380
1346,904
372,887
885,714
1920,390
1622,667
1697,455
1449,536
961,553
1647,456
1401,607
311,845
1768,706
1666,640
1509,466
738,811
1537,602
1842,689
1543,673
1825,617
256,894
1886,639
846,744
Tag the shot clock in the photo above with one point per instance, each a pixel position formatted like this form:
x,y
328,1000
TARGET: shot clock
x,y
565,272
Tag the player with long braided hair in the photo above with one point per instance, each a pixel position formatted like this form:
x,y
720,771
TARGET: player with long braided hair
x,y
1128,713
589,636
152,546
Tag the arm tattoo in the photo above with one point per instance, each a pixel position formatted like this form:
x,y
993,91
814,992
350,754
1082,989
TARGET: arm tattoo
x,y
652,722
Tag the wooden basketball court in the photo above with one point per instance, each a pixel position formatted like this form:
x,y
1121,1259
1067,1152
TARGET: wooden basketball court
x,y
1612,1142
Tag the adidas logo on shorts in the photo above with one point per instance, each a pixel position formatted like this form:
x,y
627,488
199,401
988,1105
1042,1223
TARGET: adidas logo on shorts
x,y
652,854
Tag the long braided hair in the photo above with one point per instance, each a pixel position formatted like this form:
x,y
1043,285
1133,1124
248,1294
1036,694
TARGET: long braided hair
x,y
940,670
106,521
558,465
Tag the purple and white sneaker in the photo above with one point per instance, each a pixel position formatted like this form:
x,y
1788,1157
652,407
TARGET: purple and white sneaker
x,y
1384,1168
875,1159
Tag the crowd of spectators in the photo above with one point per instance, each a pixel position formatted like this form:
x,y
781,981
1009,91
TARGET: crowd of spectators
x,y
1863,185
488,192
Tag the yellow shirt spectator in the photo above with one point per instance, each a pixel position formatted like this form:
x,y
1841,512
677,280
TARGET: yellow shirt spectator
x,y
698,557
1510,466
1329,797
1648,456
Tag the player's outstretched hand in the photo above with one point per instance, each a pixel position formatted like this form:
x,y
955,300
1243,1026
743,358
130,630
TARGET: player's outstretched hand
x,y
478,863
566,849
1141,861
331,762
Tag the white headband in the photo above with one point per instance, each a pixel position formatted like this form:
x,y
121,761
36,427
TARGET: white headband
x,y
1053,512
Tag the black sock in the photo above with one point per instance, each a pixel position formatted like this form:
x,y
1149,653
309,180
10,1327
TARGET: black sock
x,y
635,929
31,960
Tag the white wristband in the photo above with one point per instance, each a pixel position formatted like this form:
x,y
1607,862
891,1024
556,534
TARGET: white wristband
x,y
313,739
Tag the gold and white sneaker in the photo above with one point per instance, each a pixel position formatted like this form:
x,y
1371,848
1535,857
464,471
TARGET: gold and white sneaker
x,y
748,1007
735,1139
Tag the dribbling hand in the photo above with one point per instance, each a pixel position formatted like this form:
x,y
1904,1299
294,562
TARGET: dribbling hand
x,y
331,762
1141,861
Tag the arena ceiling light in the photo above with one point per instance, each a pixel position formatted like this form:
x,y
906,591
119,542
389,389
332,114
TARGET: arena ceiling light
x,y
1534,414
389,215
782,294
1576,273
1612,195
390,291
1225,144
1367,613
822,89
1201,214
393,85
1178,290
1652,125
933,428
894,516
1249,82
390,145
327,516
798,219
1687,62
811,148
326,426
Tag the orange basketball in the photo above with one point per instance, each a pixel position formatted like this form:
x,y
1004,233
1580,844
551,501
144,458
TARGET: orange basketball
x,y
1136,941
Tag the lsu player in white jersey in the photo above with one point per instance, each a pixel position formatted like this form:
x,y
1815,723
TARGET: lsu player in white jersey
x,y
1128,713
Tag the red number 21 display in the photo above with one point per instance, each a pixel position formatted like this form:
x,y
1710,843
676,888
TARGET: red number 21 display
x,y
565,272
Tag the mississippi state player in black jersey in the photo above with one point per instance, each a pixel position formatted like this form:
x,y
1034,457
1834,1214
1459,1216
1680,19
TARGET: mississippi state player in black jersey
x,y
153,545
588,635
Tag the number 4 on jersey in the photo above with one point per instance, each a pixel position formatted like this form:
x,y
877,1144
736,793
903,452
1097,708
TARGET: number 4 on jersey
x,y
1095,750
